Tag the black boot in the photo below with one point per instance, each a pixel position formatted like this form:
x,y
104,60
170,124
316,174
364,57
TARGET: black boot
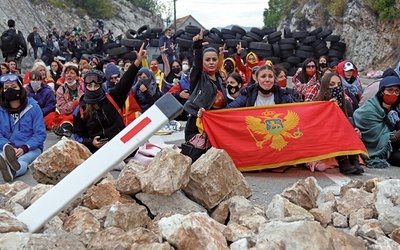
x,y
344,165
354,161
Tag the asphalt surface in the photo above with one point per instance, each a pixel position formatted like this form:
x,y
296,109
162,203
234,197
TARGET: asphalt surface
x,y
266,183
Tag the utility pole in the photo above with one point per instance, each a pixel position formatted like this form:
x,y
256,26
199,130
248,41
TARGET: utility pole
x,y
175,16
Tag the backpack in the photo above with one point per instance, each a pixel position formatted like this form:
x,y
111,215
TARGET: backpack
x,y
9,42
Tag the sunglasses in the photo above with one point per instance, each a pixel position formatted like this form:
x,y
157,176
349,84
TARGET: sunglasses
x,y
310,66
8,78
93,78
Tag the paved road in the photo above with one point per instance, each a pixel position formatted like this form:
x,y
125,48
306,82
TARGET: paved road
x,y
265,184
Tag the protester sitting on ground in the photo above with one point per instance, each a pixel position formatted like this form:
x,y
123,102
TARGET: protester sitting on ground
x,y
207,90
67,99
379,122
323,64
13,67
251,61
97,120
332,90
61,81
264,92
146,90
41,93
55,71
281,81
5,68
234,85
351,82
22,129
373,87
306,80
40,66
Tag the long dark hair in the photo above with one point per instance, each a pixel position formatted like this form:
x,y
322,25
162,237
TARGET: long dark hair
x,y
303,73
325,92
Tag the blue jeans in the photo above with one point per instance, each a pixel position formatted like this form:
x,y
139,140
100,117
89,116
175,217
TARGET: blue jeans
x,y
36,47
25,160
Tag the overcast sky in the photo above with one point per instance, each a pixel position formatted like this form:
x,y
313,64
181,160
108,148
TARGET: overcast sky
x,y
221,13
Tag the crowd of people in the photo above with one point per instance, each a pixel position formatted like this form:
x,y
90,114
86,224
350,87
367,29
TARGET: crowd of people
x,y
93,100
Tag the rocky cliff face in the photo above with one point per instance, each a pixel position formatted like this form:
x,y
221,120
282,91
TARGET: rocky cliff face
x,y
46,17
370,43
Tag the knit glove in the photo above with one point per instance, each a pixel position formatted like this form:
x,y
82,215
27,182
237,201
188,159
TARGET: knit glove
x,y
395,136
393,117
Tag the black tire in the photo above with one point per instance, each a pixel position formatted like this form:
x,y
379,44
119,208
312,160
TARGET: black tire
x,y
213,45
178,33
286,53
315,31
112,45
286,65
275,35
248,39
321,52
294,60
206,32
238,30
288,41
232,43
332,38
338,46
132,43
306,48
216,38
191,35
184,42
192,29
238,36
227,31
131,34
258,31
292,71
323,34
226,36
319,46
261,53
269,30
288,46
273,59
255,36
156,30
300,34
259,46
309,39
276,50
119,51
208,39
335,53
143,32
274,40
216,31
184,36
129,56
304,54
154,42
287,33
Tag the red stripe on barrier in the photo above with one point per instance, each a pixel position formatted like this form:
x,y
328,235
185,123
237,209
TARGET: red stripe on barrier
x,y
135,130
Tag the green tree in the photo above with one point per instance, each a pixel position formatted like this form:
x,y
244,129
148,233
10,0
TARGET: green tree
x,y
96,8
276,11
386,9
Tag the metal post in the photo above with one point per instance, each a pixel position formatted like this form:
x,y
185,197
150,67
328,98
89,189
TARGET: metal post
x,y
174,16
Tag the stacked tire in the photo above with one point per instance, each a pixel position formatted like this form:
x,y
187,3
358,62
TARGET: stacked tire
x,y
287,48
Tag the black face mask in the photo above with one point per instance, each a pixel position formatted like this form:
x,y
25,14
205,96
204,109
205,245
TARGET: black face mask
x,y
323,65
92,97
266,92
12,94
232,89
337,93
176,70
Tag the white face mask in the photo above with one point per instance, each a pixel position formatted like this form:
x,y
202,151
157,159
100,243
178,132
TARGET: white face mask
x,y
168,37
70,84
35,85
185,67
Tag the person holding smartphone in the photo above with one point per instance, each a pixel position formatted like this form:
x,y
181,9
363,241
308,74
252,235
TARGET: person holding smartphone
x,y
97,120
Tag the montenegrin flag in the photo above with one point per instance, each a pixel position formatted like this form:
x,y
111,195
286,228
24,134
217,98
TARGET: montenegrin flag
x,y
280,135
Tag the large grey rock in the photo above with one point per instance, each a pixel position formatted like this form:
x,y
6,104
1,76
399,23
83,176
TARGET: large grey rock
x,y
244,213
167,173
128,180
175,203
353,200
127,216
342,240
58,161
196,231
387,203
214,178
281,207
9,223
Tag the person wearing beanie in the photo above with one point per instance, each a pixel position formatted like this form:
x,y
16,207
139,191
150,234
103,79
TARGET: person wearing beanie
x,y
146,89
97,118
22,130
13,44
379,122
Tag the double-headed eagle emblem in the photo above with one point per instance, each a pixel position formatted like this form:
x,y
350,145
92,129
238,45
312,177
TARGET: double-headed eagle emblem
x,y
271,127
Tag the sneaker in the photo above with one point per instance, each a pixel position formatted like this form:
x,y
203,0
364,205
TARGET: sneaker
x,y
10,157
5,170
58,130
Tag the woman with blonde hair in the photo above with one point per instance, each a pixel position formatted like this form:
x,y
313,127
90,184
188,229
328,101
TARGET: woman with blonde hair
x,y
40,66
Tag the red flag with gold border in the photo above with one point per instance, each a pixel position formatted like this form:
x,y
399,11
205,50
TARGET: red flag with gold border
x,y
280,135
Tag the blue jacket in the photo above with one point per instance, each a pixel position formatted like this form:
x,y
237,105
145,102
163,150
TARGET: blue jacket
x,y
45,97
28,130
248,98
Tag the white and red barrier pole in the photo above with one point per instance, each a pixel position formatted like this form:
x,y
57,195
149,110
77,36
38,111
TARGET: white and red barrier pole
x,y
96,166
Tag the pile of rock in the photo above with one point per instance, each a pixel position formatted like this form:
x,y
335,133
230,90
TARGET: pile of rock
x,y
173,204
